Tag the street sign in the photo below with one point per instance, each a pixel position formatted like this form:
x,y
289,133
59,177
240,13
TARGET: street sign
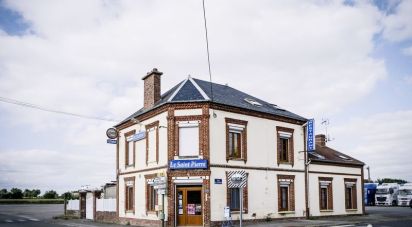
x,y
138,136
218,180
160,186
310,135
112,141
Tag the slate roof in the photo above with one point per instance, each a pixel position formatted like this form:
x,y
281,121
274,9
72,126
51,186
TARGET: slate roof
x,y
195,90
325,154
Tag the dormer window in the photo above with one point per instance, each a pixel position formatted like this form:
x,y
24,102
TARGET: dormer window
x,y
253,102
318,155
344,157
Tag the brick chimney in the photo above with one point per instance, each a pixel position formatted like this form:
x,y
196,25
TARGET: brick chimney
x,y
151,88
320,140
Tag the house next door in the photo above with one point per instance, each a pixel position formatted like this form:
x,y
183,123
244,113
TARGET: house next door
x,y
189,210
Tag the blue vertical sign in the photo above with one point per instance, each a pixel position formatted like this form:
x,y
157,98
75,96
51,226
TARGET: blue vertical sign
x,y
310,135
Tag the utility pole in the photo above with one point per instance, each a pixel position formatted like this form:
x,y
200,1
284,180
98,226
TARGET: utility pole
x,y
369,174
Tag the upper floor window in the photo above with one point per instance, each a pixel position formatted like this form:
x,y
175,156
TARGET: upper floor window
x,y
129,148
152,142
188,138
236,139
285,152
350,194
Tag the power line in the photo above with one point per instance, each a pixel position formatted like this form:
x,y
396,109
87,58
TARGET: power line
x,y
33,106
207,49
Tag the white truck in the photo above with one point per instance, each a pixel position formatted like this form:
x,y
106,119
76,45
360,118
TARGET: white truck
x,y
405,195
387,194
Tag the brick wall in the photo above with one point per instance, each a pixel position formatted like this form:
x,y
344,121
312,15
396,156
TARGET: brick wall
x,y
105,216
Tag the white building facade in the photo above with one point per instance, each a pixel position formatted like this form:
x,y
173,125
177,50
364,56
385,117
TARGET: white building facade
x,y
193,140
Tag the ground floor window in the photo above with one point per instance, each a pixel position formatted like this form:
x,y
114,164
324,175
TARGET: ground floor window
x,y
233,196
286,193
325,193
350,194
129,194
152,198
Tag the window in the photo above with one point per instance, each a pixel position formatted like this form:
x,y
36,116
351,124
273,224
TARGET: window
x,y
235,145
350,194
152,142
233,197
236,139
129,194
152,197
286,193
284,197
285,152
325,193
189,139
284,145
129,148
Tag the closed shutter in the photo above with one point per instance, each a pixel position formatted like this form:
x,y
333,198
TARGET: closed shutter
x,y
188,141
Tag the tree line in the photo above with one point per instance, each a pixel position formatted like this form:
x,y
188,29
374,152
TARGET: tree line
x,y
16,193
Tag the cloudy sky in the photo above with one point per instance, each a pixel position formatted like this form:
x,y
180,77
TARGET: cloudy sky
x,y
346,61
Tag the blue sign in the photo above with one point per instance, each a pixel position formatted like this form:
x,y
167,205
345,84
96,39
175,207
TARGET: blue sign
x,y
112,141
188,164
310,136
138,136
218,181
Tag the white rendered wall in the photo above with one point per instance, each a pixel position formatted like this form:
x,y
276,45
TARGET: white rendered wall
x,y
140,197
338,186
261,141
262,194
140,150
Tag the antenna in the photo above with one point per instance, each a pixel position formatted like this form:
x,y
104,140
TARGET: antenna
x,y
325,122
208,54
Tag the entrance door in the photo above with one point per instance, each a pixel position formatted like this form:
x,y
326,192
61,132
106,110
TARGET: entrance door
x,y
189,207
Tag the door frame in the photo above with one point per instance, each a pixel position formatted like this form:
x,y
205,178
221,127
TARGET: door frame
x,y
183,185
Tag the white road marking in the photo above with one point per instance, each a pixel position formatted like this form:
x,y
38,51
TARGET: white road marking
x,y
8,220
21,220
29,218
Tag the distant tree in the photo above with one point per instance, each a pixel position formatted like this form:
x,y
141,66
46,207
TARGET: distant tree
x,y
4,194
50,195
391,180
35,192
67,195
27,193
16,193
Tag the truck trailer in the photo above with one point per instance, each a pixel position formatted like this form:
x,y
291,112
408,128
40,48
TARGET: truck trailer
x,y
405,195
370,191
387,194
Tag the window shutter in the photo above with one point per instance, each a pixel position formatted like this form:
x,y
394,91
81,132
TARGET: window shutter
x,y
354,195
330,197
152,145
188,141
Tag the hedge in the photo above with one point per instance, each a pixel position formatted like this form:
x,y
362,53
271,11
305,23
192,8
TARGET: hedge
x,y
31,201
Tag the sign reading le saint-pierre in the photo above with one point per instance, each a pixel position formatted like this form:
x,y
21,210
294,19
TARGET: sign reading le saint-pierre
x,y
188,164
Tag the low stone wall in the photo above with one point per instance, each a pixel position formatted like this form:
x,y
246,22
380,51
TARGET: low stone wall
x,y
106,216
140,222
74,213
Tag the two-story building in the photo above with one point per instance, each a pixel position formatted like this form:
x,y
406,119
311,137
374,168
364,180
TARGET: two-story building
x,y
196,134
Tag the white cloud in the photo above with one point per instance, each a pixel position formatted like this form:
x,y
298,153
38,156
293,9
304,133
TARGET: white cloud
x,y
398,26
88,57
407,51
382,141
408,80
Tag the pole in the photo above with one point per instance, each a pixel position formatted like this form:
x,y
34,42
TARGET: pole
x,y
241,206
369,174
163,210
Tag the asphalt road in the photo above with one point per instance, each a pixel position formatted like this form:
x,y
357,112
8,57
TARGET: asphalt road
x,y
29,215
41,216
